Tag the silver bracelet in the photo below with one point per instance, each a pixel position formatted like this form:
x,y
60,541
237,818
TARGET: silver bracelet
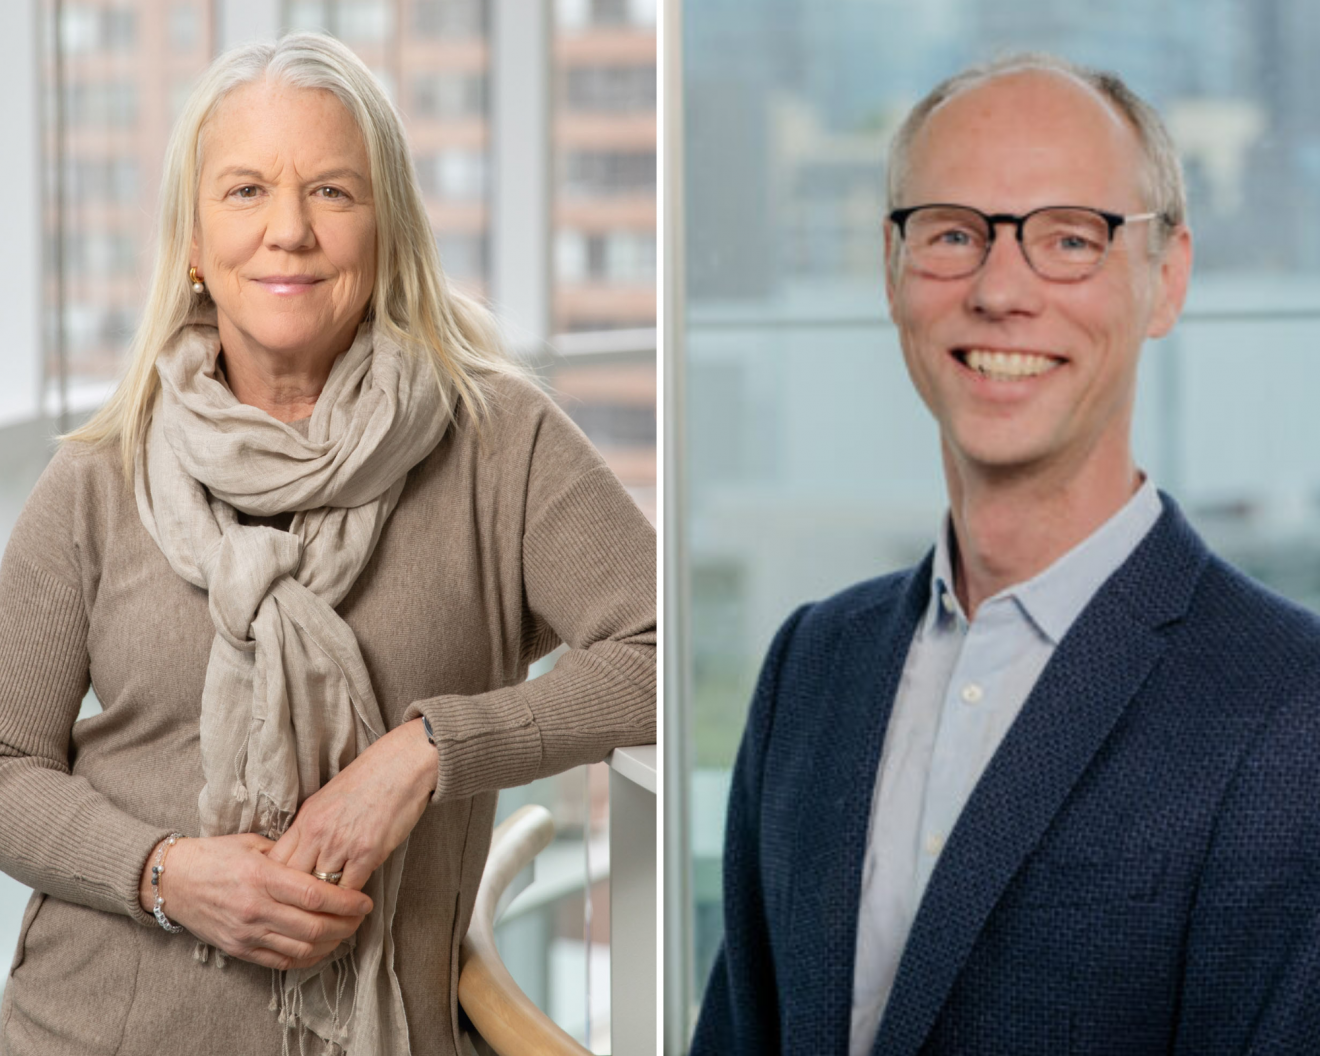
x,y
157,870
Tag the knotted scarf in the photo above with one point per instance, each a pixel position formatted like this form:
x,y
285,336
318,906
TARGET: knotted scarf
x,y
287,701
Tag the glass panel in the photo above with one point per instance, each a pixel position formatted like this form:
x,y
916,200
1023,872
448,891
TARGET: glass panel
x,y
604,249
440,62
605,147
555,939
114,77
810,462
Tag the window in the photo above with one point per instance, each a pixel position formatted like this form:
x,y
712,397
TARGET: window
x,y
606,89
111,180
85,29
458,19
615,256
92,253
365,21
609,172
185,27
455,175
605,162
307,15
617,424
449,96
463,256
93,104
607,14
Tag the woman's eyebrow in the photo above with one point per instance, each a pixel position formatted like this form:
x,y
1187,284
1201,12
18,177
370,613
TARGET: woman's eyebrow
x,y
321,177
337,174
238,170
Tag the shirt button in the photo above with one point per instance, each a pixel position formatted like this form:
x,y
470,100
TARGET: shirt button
x,y
946,599
934,843
972,693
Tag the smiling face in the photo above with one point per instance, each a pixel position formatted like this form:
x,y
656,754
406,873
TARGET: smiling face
x,y
286,228
1021,373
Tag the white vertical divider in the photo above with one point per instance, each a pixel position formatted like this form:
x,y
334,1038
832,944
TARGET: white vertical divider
x,y
20,220
679,985
633,965
521,173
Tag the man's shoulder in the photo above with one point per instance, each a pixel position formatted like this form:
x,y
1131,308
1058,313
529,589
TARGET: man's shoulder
x,y
1244,614
1246,654
1174,577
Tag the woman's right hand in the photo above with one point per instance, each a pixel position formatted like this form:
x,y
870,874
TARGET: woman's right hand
x,y
230,894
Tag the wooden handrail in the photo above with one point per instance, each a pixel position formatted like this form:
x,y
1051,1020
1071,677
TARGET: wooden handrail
x,y
504,1016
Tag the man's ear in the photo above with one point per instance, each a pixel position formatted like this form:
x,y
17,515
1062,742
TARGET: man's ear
x,y
1175,271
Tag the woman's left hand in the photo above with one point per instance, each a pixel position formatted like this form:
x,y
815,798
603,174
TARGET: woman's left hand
x,y
366,810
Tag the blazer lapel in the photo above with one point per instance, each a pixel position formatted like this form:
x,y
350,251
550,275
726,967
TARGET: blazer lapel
x,y
1096,670
832,826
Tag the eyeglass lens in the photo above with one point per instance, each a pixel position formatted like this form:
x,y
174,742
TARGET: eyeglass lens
x,y
951,242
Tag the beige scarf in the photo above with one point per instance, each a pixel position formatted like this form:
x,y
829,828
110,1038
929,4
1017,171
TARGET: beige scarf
x,y
287,702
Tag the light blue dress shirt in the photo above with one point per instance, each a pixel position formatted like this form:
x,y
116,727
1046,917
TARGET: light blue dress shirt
x,y
963,684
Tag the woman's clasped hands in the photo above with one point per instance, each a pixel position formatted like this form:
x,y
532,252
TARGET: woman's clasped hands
x,y
228,892
259,901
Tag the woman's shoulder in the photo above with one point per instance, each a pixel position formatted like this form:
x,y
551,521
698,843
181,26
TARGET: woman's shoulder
x,y
512,401
83,469
522,421
519,449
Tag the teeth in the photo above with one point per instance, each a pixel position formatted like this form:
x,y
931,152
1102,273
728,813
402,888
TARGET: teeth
x,y
1008,366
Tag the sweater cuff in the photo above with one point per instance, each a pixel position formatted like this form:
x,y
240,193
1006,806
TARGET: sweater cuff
x,y
140,855
482,742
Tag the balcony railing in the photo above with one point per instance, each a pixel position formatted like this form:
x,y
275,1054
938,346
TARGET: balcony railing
x,y
506,1020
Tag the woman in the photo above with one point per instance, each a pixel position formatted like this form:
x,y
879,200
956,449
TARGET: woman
x,y
305,554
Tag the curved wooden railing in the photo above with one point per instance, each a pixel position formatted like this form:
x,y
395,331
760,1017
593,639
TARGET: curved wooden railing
x,y
507,1020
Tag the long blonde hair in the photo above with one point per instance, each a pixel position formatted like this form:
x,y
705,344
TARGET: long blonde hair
x,y
411,298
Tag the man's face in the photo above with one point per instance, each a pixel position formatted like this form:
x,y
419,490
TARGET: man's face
x,y
1014,144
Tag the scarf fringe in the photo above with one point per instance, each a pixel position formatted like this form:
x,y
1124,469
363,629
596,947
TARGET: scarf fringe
x,y
289,1004
202,953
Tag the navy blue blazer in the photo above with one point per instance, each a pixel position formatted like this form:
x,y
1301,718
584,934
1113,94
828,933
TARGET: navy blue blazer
x,y
1137,871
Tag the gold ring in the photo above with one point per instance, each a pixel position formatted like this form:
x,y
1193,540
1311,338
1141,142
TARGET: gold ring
x,y
329,878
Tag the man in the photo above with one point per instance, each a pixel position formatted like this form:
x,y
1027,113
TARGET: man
x,y
1056,790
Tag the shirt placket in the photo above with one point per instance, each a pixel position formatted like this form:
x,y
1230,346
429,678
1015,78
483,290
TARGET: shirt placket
x,y
967,710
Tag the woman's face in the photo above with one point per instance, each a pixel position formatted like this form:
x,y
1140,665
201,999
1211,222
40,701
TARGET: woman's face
x,y
286,226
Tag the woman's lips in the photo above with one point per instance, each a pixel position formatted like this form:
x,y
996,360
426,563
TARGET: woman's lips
x,y
286,285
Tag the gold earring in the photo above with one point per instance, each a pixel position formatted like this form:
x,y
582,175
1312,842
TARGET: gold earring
x,y
196,282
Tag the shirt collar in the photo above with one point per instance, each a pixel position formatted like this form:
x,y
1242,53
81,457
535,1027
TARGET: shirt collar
x,y
944,604
1055,597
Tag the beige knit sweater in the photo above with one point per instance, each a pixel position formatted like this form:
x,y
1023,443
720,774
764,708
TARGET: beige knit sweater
x,y
509,537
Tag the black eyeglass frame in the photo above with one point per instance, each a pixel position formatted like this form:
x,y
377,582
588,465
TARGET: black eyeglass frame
x,y
1113,221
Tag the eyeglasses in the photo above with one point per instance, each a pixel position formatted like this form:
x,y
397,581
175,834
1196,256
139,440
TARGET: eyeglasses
x,y
1062,243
